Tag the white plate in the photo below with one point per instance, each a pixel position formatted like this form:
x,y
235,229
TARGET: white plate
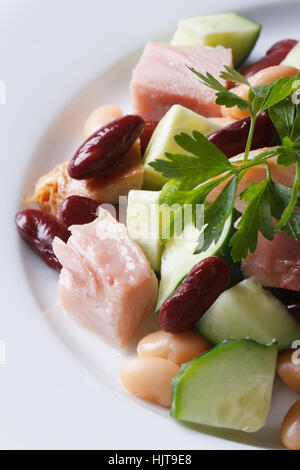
x,y
60,59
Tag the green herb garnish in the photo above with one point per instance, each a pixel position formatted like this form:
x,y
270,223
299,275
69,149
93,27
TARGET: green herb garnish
x,y
205,167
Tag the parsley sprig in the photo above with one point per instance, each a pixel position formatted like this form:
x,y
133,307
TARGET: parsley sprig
x,y
194,174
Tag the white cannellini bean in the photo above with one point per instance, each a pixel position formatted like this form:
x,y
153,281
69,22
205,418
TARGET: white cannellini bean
x,y
178,348
100,117
290,428
289,370
223,121
150,378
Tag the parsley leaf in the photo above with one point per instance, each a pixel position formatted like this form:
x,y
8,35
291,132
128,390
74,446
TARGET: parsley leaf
x,y
176,191
262,91
234,76
279,90
178,166
229,100
286,118
209,81
257,217
280,196
286,153
217,213
202,148
175,195
283,115
208,161
224,97
295,136
293,200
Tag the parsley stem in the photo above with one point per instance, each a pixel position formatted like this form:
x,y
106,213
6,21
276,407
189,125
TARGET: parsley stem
x,y
268,170
258,160
250,137
285,217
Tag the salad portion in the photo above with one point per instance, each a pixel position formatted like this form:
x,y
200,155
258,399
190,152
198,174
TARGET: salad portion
x,y
188,210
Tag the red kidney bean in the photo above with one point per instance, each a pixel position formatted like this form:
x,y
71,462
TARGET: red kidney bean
x,y
283,45
78,210
199,290
274,56
39,229
145,137
232,139
290,298
294,309
105,147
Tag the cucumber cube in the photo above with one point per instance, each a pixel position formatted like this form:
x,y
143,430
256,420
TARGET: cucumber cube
x,y
229,386
293,57
178,119
229,30
249,311
144,224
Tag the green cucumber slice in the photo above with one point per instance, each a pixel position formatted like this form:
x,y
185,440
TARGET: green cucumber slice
x,y
178,258
249,311
178,119
229,386
229,30
144,224
293,57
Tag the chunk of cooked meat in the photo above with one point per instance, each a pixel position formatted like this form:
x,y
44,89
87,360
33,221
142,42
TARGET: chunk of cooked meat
x,y
106,282
275,263
162,79
52,188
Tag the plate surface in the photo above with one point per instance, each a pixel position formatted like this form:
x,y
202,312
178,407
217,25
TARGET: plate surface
x,y
59,386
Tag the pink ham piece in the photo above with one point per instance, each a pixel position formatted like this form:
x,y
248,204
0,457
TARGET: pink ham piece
x,y
162,79
106,283
275,263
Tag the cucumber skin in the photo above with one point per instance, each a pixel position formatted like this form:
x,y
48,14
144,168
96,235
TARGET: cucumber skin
x,y
225,343
243,59
238,57
218,349
216,340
